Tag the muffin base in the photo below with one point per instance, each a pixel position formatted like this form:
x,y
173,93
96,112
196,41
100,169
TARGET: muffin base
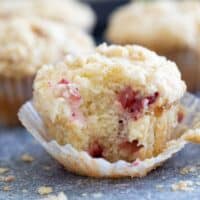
x,y
13,94
82,163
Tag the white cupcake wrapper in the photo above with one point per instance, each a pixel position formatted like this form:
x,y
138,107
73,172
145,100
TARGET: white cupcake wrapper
x,y
82,163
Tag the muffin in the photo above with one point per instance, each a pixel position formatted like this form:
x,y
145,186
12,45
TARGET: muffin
x,y
171,28
71,12
25,45
118,103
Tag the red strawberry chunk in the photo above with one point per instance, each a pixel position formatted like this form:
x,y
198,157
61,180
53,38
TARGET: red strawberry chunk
x,y
96,150
63,81
180,116
152,99
134,103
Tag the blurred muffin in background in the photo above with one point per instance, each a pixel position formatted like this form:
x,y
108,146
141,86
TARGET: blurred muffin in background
x,y
171,28
70,12
25,45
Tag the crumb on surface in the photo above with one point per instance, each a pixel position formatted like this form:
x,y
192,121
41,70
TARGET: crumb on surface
x,y
27,158
47,168
197,183
7,178
44,190
182,186
97,195
24,190
3,170
188,169
159,187
61,196
6,188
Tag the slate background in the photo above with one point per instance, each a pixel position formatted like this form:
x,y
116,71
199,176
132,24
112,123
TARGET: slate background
x,y
30,176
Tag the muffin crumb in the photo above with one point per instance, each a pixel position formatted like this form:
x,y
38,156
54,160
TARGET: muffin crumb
x,y
97,195
61,196
44,190
3,170
9,179
27,158
6,188
188,169
159,187
182,186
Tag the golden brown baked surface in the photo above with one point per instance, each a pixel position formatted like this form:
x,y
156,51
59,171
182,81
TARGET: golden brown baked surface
x,y
116,103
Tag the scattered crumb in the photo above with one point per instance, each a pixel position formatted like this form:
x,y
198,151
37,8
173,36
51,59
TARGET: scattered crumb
x,y
188,169
7,178
6,188
197,183
84,194
3,170
97,195
159,187
183,186
43,190
27,158
61,196
47,168
24,191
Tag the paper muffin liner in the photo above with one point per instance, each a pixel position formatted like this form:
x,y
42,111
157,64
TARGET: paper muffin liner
x,y
188,62
83,164
13,94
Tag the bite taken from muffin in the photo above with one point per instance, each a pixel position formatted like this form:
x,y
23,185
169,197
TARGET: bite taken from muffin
x,y
118,103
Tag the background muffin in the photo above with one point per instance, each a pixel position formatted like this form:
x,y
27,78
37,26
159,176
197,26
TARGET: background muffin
x,y
71,12
118,103
25,45
170,28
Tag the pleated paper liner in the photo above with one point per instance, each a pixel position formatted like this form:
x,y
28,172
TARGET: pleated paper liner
x,y
13,94
82,163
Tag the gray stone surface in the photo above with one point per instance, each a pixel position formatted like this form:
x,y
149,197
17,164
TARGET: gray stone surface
x,y
30,176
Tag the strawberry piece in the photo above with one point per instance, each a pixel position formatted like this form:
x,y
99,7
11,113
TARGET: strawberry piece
x,y
63,81
127,97
134,103
152,99
180,116
96,150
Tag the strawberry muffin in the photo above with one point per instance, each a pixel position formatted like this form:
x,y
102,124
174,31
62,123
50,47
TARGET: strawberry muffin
x,y
71,12
117,103
171,28
25,45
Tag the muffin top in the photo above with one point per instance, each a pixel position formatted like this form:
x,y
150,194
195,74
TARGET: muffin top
x,y
25,45
104,75
69,11
159,25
